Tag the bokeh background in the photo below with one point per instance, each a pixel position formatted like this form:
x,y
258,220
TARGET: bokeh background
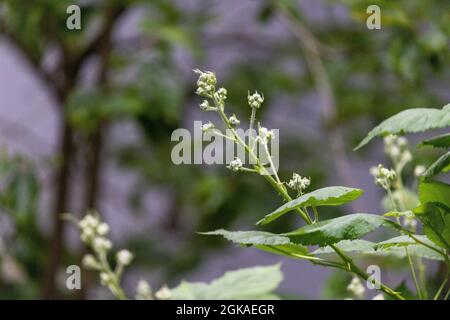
x,y
86,118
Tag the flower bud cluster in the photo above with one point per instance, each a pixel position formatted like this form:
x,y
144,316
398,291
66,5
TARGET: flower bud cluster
x,y
93,232
234,121
419,170
144,292
383,177
235,165
207,126
397,149
221,95
206,83
255,100
298,182
265,135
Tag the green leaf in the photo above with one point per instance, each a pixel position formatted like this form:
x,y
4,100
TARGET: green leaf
x,y
401,241
436,220
350,246
396,246
329,196
331,231
265,241
440,165
410,121
434,211
441,141
250,238
434,191
249,283
383,249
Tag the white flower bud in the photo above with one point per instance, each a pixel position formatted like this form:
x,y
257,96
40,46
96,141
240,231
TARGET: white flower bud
x,y
233,120
207,126
102,229
255,100
379,296
419,170
402,142
298,182
221,94
206,83
105,278
389,140
87,234
101,244
394,151
124,257
204,105
235,165
409,223
90,262
406,156
383,177
89,221
143,291
356,288
163,294
265,135
374,171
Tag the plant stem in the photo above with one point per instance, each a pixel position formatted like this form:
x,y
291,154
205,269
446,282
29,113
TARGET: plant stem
x,y
216,132
438,293
114,286
413,273
410,261
316,214
272,166
447,294
252,124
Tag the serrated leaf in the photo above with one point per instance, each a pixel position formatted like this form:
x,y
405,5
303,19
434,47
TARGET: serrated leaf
x,y
441,141
349,246
329,196
249,283
401,241
440,165
396,246
367,248
265,241
436,220
251,238
410,121
331,231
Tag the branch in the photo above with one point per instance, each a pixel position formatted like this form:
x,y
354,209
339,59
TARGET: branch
x,y
93,47
316,66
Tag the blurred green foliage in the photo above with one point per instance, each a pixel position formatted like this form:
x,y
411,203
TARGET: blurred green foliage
x,y
373,74
21,255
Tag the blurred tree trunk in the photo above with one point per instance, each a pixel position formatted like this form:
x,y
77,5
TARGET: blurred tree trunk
x,y
92,191
62,182
71,66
